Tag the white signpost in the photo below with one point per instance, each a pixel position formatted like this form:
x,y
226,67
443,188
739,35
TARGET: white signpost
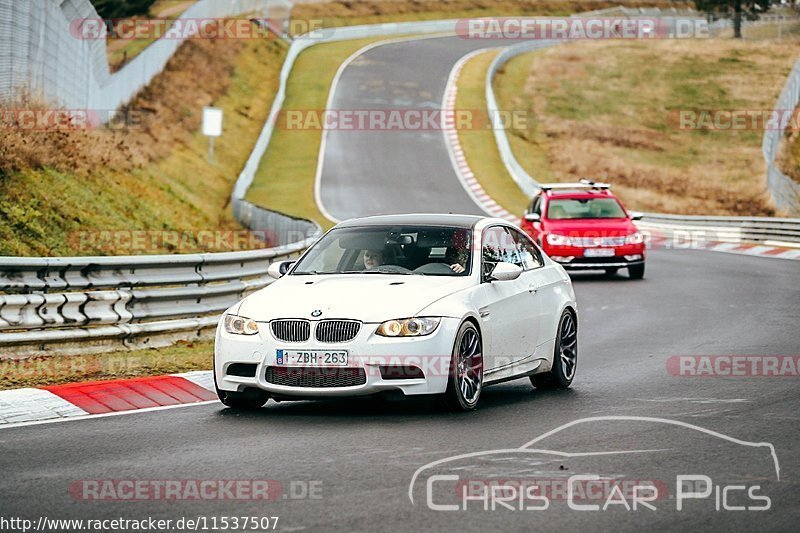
x,y
212,128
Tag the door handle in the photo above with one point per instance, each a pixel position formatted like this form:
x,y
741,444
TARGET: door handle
x,y
532,288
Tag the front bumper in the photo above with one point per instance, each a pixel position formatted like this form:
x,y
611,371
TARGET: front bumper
x,y
574,258
598,263
367,351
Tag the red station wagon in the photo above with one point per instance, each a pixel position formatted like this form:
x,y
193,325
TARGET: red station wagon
x,y
583,226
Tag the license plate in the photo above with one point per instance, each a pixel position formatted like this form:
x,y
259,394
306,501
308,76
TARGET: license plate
x,y
311,357
598,252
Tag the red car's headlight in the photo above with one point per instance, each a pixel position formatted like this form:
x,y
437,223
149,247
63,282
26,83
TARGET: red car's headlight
x,y
634,238
554,239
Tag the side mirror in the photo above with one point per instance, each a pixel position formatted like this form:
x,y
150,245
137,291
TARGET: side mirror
x,y
279,268
533,217
636,215
505,272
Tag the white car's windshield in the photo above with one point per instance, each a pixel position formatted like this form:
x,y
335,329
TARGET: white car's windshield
x,y
409,250
572,208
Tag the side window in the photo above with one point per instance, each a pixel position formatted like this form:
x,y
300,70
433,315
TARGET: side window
x,y
491,253
529,253
511,249
498,245
536,205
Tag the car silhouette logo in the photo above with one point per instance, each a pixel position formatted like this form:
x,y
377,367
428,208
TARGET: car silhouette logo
x,y
316,312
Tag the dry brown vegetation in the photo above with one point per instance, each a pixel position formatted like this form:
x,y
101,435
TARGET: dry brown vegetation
x,y
158,118
603,111
152,176
789,153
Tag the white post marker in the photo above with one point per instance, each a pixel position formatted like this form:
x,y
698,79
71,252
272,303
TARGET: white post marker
x,y
212,127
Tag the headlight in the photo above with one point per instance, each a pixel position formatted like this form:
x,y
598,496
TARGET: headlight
x,y
408,327
634,238
239,325
554,239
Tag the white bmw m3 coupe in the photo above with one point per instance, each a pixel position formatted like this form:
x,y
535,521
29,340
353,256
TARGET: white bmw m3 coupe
x,y
422,304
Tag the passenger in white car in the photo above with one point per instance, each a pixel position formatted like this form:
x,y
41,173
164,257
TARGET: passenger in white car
x,y
373,259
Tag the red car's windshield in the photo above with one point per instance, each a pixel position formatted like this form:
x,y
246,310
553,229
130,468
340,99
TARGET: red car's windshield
x,y
572,208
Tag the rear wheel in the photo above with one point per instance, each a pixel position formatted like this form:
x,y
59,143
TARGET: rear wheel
x,y
565,358
636,271
465,381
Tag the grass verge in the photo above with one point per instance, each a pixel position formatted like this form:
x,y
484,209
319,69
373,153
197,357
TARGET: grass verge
x,y
89,192
285,178
479,145
42,371
606,110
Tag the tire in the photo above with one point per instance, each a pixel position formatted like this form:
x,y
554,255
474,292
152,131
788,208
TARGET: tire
x,y
611,271
248,399
565,356
465,382
636,271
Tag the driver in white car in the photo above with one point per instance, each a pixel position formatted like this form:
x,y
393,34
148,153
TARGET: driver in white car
x,y
454,258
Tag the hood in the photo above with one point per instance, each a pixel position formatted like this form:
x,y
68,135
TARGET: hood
x,y
592,227
365,297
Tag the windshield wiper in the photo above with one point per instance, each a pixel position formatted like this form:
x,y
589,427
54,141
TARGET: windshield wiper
x,y
376,271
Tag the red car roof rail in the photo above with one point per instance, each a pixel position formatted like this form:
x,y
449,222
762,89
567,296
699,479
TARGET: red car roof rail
x,y
583,184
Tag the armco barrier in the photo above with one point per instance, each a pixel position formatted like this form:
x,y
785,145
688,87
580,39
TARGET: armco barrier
x,y
764,230
50,302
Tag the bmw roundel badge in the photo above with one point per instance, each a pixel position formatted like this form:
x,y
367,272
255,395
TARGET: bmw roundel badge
x,y
316,312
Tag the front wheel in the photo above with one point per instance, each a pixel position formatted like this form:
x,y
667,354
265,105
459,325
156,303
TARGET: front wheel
x,y
248,399
465,381
636,271
565,357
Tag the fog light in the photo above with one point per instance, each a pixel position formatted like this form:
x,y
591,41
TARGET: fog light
x,y
562,258
634,257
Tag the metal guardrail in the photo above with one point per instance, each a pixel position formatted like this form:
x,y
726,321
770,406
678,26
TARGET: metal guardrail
x,y
524,181
764,230
70,299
